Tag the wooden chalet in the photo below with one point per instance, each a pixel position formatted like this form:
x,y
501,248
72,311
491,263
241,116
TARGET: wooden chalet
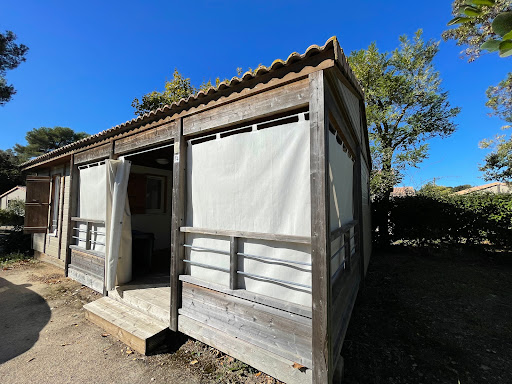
x,y
239,216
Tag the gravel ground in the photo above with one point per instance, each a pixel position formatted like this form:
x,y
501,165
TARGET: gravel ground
x,y
46,339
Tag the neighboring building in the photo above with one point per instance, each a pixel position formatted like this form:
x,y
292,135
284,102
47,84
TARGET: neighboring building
x,y
16,193
497,187
403,191
239,216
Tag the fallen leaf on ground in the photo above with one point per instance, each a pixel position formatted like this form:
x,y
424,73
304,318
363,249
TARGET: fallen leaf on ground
x,y
258,374
129,351
299,367
63,345
31,360
193,362
105,334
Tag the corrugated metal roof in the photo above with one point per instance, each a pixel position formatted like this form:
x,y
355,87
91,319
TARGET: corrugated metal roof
x,y
312,50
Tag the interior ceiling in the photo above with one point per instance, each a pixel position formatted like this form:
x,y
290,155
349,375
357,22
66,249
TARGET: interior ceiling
x,y
148,159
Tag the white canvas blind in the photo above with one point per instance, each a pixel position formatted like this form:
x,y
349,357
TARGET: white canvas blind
x,y
255,181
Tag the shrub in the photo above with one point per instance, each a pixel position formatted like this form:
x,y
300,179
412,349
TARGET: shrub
x,y
451,219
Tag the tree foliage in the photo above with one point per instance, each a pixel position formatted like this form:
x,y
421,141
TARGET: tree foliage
x,y
498,163
500,99
474,21
405,106
43,140
11,55
178,88
10,175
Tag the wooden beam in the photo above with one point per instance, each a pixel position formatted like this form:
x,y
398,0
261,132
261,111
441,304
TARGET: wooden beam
x,y
157,135
320,241
72,201
249,235
293,96
233,262
97,153
179,183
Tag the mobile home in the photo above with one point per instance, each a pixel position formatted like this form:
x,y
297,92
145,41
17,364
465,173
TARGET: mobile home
x,y
239,216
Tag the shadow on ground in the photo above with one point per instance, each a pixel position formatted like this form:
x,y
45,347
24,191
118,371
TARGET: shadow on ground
x,y
23,314
432,317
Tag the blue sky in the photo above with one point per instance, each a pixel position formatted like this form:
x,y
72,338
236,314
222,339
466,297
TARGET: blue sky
x,y
89,60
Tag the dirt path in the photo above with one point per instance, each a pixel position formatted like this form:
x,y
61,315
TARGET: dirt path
x,y
432,318
46,339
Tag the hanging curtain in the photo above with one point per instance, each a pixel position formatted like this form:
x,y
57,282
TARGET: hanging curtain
x,y
119,243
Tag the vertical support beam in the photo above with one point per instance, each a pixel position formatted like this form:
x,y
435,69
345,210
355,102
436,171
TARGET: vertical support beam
x,y
347,249
320,232
233,262
179,184
88,235
72,199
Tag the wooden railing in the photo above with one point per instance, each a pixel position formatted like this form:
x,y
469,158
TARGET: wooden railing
x,y
87,242
233,253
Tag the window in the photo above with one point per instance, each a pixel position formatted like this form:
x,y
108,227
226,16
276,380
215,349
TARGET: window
x,y
54,223
154,194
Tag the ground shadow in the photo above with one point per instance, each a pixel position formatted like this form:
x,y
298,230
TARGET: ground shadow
x,y
23,314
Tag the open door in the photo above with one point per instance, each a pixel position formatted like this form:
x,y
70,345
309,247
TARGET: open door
x,y
37,204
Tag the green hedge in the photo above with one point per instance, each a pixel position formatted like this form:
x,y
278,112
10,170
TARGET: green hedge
x,y
447,219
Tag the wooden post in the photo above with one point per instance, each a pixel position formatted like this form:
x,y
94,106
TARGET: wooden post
x,y
348,250
233,262
178,220
72,199
320,232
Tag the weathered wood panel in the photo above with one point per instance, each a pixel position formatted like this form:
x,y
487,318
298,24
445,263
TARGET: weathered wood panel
x,y
249,235
259,358
296,312
97,153
264,104
157,135
320,242
343,304
178,219
249,321
88,262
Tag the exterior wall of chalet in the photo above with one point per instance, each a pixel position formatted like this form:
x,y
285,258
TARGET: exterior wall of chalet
x,y
243,280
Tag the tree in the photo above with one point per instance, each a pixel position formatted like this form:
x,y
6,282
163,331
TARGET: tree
x,y
10,175
475,27
43,140
498,163
11,55
176,89
406,106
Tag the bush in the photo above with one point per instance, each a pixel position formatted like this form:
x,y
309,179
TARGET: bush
x,y
14,241
452,219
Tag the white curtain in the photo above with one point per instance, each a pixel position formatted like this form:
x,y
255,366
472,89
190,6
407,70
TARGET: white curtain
x,y
255,181
118,255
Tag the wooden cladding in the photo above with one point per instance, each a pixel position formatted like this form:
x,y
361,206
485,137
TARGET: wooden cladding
x,y
96,153
37,204
158,135
293,96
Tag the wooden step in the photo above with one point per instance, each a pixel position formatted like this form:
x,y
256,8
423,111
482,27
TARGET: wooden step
x,y
139,331
154,301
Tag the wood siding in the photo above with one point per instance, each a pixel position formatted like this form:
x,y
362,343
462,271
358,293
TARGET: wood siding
x,y
280,332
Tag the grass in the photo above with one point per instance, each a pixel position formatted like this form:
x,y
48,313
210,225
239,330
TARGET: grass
x,y
7,260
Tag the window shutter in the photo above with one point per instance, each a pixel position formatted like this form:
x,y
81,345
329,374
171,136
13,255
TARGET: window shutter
x,y
37,204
